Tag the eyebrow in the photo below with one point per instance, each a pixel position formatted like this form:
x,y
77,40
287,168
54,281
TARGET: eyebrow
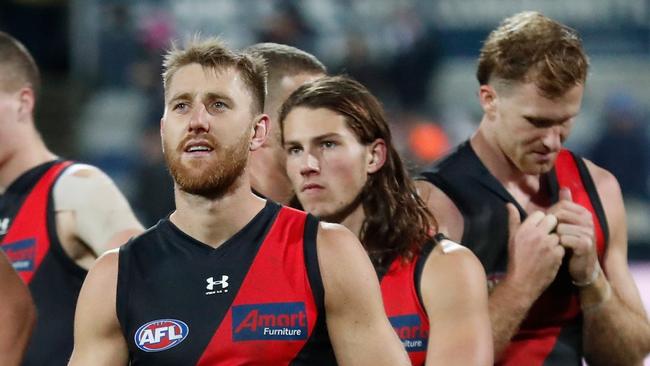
x,y
315,138
548,120
213,96
181,96
207,96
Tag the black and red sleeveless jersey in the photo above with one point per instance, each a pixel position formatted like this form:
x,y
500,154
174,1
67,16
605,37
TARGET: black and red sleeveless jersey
x,y
255,300
400,291
552,331
29,239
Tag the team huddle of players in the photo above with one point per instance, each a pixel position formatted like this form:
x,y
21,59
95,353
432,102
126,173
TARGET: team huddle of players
x,y
298,236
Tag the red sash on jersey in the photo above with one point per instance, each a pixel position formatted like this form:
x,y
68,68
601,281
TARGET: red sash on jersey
x,y
560,303
404,310
273,332
27,241
568,176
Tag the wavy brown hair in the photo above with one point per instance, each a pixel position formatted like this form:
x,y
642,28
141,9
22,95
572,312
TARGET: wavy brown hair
x,y
397,221
531,47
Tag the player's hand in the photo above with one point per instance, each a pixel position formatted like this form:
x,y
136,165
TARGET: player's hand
x,y
534,251
576,231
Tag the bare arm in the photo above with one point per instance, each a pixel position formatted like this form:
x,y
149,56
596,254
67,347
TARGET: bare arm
x,y
612,304
17,314
460,332
98,339
449,218
357,324
534,259
91,212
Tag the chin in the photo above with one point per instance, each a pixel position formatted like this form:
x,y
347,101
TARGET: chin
x,y
536,169
317,210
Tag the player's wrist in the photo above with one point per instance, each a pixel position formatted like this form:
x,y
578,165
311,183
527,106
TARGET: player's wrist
x,y
596,294
596,302
522,290
589,280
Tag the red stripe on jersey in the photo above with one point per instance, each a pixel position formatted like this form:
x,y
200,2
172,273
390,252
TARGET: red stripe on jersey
x,y
568,176
404,310
274,303
27,240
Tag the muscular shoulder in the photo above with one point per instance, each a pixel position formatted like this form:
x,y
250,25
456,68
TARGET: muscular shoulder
x,y
449,267
336,240
91,209
451,257
103,273
611,198
448,216
606,183
610,195
77,183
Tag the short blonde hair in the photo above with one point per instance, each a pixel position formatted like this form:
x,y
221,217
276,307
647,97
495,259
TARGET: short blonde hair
x,y
531,47
213,53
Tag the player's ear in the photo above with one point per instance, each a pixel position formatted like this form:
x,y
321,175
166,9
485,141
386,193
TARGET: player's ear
x,y
487,96
259,131
376,156
27,101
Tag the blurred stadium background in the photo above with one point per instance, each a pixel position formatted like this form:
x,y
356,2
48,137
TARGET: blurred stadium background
x,y
102,97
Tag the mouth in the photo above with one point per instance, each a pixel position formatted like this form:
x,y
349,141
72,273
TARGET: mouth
x,y
198,148
544,156
311,187
544,153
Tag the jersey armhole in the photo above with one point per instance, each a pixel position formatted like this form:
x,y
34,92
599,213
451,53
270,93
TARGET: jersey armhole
x,y
427,248
590,187
56,248
311,262
122,295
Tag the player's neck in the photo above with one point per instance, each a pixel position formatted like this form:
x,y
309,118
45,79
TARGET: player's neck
x,y
275,187
214,220
496,161
32,153
525,188
354,220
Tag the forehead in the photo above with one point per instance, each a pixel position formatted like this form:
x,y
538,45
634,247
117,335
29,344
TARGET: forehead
x,y
304,123
196,79
526,99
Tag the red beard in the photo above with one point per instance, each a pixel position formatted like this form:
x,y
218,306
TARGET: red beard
x,y
210,177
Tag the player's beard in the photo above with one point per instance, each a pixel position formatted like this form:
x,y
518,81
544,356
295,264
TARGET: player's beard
x,y
211,177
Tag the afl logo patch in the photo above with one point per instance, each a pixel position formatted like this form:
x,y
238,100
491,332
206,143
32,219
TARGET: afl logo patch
x,y
162,334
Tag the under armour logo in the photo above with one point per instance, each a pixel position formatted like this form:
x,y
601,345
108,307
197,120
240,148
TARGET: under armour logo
x,y
4,225
223,283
